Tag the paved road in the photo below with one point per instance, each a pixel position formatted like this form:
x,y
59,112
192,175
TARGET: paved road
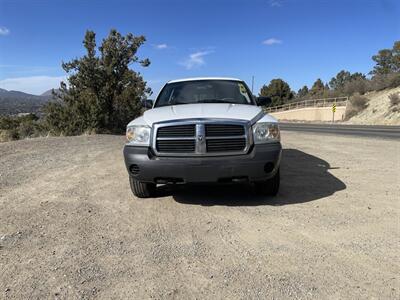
x,y
391,132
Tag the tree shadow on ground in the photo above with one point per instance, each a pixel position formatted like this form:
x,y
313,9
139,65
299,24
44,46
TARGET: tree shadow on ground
x,y
304,178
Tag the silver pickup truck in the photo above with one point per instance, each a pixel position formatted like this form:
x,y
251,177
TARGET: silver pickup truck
x,y
203,130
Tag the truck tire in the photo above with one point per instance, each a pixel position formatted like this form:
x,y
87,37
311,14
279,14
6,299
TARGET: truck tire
x,y
142,189
269,187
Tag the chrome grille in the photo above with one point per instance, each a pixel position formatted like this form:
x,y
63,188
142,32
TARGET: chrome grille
x,y
201,138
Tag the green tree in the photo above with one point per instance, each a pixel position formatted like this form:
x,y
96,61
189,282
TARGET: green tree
x,y
344,82
278,90
396,56
383,62
338,82
357,76
318,88
387,60
103,93
303,92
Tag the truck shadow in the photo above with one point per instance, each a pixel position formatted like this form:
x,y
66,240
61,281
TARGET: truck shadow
x,y
304,178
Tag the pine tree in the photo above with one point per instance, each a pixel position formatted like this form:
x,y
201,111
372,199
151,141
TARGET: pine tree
x,y
387,60
278,90
303,92
317,88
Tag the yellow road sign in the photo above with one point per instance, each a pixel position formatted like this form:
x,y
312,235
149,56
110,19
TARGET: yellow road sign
x,y
334,107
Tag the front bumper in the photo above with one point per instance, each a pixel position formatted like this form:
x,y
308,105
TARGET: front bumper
x,y
261,163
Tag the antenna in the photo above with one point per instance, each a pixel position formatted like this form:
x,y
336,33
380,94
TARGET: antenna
x,y
252,83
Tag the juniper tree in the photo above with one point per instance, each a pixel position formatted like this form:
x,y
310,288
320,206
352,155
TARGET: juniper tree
x,y
102,92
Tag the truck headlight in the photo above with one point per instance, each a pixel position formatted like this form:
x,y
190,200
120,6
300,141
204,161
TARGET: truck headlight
x,y
138,135
266,132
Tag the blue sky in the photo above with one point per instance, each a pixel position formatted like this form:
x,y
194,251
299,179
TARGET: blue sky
x,y
296,40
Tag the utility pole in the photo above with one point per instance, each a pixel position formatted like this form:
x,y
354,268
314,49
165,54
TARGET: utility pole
x,y
252,83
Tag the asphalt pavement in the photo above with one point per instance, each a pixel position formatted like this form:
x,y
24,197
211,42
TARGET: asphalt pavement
x,y
377,131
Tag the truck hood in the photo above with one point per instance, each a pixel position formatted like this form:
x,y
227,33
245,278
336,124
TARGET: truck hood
x,y
204,110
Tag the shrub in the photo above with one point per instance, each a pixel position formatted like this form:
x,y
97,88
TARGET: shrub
x,y
380,82
394,80
394,99
8,135
359,85
20,127
383,81
28,129
395,109
7,123
357,103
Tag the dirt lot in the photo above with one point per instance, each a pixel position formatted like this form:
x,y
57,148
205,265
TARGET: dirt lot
x,y
70,227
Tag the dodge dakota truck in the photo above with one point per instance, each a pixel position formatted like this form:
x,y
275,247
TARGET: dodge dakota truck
x,y
203,130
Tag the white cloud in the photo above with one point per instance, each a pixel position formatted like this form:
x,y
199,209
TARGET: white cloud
x,y
33,85
272,41
195,59
161,46
4,31
275,3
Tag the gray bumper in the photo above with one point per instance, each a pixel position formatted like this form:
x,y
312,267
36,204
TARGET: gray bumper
x,y
260,163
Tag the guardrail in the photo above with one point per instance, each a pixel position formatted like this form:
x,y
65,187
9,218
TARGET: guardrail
x,y
324,102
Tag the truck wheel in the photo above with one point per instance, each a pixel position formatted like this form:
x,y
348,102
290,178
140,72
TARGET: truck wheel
x,y
142,189
269,187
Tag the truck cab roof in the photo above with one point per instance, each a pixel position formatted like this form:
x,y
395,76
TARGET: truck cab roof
x,y
203,78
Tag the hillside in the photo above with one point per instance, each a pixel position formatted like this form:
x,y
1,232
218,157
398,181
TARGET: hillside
x,y
14,102
49,93
379,110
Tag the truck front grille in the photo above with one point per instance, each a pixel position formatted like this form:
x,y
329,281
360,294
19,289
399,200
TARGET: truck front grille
x,y
201,138
224,130
176,146
177,131
226,145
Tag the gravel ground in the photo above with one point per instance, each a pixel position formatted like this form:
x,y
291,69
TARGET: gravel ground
x,y
70,227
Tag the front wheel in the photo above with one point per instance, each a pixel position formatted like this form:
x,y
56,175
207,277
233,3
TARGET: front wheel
x,y
269,187
142,189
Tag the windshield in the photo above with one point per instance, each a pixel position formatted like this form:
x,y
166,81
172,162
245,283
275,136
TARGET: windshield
x,y
204,91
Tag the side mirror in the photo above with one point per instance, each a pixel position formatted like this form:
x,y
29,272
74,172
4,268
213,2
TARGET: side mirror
x,y
148,103
263,101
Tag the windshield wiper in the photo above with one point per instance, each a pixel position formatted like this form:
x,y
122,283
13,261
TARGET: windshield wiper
x,y
216,101
171,104
178,103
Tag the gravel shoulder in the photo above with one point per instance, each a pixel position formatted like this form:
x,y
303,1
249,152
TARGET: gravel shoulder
x,y
70,227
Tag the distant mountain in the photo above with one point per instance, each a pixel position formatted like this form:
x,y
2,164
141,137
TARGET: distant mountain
x,y
3,91
14,102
